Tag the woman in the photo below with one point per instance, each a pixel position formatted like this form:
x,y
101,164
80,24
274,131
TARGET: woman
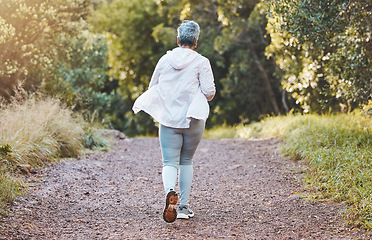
x,y
179,89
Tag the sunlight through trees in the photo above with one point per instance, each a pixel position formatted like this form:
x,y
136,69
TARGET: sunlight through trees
x,y
267,56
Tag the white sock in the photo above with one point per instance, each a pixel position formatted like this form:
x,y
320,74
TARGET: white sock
x,y
169,178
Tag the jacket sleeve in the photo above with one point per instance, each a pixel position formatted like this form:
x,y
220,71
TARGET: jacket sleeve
x,y
157,72
206,80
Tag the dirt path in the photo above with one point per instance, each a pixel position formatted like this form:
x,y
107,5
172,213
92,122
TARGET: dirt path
x,y
243,189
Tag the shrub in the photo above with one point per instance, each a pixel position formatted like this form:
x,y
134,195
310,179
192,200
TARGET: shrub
x,y
38,132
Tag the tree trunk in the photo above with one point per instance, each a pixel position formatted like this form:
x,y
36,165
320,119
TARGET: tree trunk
x,y
268,86
285,105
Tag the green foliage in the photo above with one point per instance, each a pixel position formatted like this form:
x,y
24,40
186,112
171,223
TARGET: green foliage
x,y
30,32
324,51
134,52
137,43
5,150
338,149
48,45
367,109
79,75
133,55
98,56
93,140
250,83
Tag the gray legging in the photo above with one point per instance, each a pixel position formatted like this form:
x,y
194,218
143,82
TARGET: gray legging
x,y
178,146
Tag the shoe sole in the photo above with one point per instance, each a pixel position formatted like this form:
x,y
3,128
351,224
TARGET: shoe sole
x,y
184,216
170,212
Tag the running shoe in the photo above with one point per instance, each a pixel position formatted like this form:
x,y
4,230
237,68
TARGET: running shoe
x,y
170,212
184,212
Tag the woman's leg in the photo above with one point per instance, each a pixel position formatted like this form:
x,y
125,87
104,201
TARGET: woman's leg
x,y
171,142
191,140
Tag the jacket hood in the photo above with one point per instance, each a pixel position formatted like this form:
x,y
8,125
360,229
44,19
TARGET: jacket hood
x,y
179,58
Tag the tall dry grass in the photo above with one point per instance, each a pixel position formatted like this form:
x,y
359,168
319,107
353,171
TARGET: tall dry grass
x,y
36,133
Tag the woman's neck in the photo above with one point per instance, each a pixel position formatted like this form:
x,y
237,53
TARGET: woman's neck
x,y
185,46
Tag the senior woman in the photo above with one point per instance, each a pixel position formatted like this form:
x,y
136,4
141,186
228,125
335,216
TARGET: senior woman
x,y
179,89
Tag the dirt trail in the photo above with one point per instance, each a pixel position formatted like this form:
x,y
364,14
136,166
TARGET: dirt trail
x,y
242,189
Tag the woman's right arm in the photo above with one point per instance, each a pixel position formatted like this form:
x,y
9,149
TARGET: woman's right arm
x,y
206,80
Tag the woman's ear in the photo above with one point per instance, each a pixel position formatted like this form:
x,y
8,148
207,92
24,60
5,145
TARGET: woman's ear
x,y
178,42
195,44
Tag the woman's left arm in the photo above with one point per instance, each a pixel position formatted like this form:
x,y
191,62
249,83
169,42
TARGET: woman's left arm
x,y
156,73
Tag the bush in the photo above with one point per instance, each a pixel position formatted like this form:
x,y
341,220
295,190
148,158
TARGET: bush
x,y
38,132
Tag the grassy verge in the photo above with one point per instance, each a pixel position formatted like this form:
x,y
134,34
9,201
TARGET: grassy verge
x,y
35,133
338,149
218,132
9,189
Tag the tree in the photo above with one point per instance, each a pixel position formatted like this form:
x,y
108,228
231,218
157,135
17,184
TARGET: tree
x,y
133,55
324,50
249,85
205,14
79,76
226,37
47,47
30,31
140,32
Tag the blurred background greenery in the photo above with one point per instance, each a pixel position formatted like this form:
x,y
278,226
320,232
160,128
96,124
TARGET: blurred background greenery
x,y
268,57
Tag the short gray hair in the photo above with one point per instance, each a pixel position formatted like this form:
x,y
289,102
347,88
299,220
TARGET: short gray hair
x,y
188,33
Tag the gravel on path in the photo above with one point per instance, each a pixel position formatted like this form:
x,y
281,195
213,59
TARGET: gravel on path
x,y
242,189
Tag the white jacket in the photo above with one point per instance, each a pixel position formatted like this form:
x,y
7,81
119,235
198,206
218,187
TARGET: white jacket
x,y
180,86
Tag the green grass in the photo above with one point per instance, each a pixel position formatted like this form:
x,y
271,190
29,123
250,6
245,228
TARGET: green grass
x,y
338,149
9,189
218,132
37,133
